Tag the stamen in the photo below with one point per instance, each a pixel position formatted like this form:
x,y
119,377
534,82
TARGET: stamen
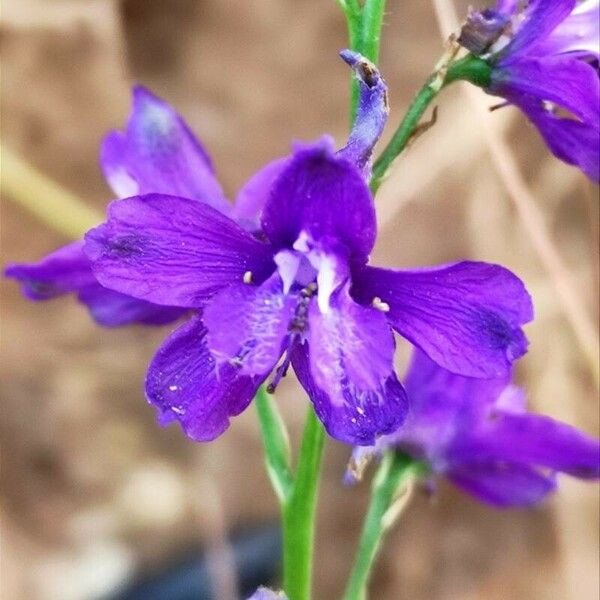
x,y
247,277
379,304
280,373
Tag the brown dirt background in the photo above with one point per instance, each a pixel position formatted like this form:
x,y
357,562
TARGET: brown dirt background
x,y
91,488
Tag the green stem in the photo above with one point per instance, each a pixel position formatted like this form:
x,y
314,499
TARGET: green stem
x,y
403,134
364,35
276,444
395,469
469,68
372,22
44,198
299,513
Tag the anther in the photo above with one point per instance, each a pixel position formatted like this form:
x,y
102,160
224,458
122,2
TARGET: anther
x,y
247,277
379,304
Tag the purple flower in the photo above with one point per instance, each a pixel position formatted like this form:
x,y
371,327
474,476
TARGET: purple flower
x,y
477,433
291,285
544,60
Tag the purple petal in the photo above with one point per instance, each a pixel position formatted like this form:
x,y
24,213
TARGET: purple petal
x,y
68,270
63,271
349,371
579,33
172,251
503,485
466,316
565,81
372,112
113,309
248,325
184,384
324,196
571,141
159,154
530,439
350,344
383,409
542,17
251,199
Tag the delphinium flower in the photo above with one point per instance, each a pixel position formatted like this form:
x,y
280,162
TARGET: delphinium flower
x,y
544,59
478,434
290,284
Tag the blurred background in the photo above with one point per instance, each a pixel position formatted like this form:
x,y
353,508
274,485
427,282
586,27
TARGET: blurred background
x,y
94,494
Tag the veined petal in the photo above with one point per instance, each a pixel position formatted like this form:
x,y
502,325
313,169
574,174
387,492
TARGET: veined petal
x,y
503,485
466,316
253,196
530,439
68,270
173,251
579,33
349,372
249,325
565,81
541,18
382,410
372,111
324,196
158,153
184,384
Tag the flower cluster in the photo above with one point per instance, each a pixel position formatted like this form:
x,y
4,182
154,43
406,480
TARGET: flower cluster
x,y
544,58
278,278
477,433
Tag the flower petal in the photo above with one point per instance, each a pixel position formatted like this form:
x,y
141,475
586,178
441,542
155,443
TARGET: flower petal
x,y
172,251
68,270
184,384
159,154
249,325
253,196
466,316
579,33
349,372
372,111
565,81
113,309
63,271
503,485
541,18
571,141
322,195
383,409
530,439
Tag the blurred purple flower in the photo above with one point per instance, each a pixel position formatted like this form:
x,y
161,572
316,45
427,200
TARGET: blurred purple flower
x,y
289,284
544,60
477,434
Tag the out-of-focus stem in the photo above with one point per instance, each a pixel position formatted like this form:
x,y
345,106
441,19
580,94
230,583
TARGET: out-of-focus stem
x,y
44,198
393,473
